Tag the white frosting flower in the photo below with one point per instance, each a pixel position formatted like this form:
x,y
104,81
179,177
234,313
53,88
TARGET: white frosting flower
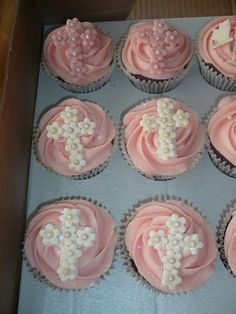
x,y
192,243
175,242
166,150
168,134
50,234
70,254
86,237
171,279
68,234
71,130
54,130
73,146
176,224
171,260
66,271
69,114
164,106
164,120
181,118
70,216
87,126
148,123
157,239
76,162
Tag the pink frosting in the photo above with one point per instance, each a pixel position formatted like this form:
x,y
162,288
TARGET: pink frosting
x,y
156,50
97,148
141,146
93,263
230,243
222,128
92,57
195,270
219,56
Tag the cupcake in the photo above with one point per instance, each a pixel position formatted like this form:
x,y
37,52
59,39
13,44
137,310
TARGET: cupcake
x,y
155,56
217,53
70,243
221,143
79,56
227,238
75,139
170,246
162,138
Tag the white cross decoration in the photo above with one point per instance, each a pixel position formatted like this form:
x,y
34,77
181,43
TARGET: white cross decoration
x,y
166,121
70,238
175,243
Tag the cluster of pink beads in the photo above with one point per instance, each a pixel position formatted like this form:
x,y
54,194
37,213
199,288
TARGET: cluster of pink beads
x,y
79,38
161,40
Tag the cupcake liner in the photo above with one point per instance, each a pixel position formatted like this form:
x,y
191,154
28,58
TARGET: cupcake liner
x,y
38,275
128,262
124,153
225,218
86,175
147,85
221,164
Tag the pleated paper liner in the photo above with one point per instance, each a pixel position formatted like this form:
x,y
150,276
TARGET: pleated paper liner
x,y
148,85
225,218
129,263
39,275
84,175
222,164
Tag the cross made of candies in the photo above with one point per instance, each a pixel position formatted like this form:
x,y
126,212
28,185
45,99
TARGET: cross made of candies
x,y
70,238
71,130
167,122
78,38
176,245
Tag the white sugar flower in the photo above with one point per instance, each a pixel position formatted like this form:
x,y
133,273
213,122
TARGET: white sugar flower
x,y
176,224
70,216
164,106
50,235
73,146
148,122
69,254
87,126
66,271
175,242
181,118
69,114
165,120
166,150
54,130
73,246
68,235
192,243
157,239
71,130
167,134
171,279
171,260
76,162
85,237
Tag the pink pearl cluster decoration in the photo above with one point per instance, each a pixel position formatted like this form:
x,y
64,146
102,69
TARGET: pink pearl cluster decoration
x,y
162,40
78,38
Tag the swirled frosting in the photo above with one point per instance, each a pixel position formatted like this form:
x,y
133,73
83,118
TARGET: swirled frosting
x,y
156,50
94,146
230,243
153,255
78,52
95,258
142,145
222,128
222,55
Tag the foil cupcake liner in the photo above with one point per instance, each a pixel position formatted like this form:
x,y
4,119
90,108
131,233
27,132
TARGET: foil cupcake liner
x,y
225,218
219,163
85,175
128,262
36,272
125,155
147,85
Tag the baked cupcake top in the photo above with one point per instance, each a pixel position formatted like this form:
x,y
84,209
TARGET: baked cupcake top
x,y
172,246
163,136
71,242
217,44
222,128
230,243
75,137
156,50
78,52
